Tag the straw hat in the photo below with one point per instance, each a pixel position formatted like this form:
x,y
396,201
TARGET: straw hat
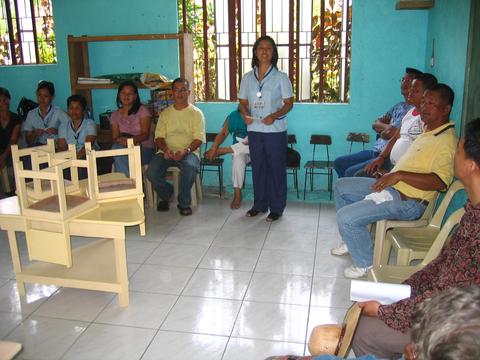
x,y
335,339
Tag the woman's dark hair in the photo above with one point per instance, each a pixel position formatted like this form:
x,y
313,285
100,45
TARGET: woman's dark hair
x,y
48,85
136,104
472,140
5,92
274,55
77,98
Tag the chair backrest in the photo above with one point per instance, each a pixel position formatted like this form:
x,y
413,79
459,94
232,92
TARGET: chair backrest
x,y
443,236
325,140
45,156
353,137
209,138
121,188
291,140
58,204
442,207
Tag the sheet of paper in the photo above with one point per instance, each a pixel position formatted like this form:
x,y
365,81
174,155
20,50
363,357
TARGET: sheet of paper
x,y
384,293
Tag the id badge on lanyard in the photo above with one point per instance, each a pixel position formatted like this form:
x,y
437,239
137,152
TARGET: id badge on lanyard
x,y
259,104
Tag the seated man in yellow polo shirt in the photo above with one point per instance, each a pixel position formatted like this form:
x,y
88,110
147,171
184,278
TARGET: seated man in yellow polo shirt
x,y
403,193
179,134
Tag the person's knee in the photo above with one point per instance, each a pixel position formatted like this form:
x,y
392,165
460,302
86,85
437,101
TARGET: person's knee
x,y
340,185
153,170
346,217
189,170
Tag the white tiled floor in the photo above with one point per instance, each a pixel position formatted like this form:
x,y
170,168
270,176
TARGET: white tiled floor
x,y
216,285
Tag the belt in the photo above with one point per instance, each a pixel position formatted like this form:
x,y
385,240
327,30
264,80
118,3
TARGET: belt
x,y
405,198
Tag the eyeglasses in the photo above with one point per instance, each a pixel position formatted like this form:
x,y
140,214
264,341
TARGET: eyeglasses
x,y
181,90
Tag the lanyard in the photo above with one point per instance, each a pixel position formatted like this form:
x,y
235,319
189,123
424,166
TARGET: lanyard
x,y
44,118
76,133
261,83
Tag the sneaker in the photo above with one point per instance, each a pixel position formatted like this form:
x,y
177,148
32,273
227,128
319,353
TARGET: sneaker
x,y
339,250
273,217
353,272
163,205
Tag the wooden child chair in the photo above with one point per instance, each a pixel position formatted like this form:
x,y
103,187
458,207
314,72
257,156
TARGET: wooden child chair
x,y
117,187
47,219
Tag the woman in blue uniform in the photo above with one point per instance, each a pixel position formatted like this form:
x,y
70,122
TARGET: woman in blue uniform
x,y
266,96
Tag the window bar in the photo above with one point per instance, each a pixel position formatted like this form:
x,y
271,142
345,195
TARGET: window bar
x,y
34,29
11,33
205,51
239,42
322,39
263,18
19,33
291,44
347,31
184,16
297,53
232,49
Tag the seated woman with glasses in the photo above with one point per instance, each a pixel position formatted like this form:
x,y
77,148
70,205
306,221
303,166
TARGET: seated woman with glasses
x,y
131,120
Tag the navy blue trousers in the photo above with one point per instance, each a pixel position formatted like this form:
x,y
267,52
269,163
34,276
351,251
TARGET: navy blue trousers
x,y
268,154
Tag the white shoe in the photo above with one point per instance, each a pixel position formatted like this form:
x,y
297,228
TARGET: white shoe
x,y
339,250
353,272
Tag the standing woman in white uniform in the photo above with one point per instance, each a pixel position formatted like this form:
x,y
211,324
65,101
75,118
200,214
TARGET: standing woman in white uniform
x,y
266,96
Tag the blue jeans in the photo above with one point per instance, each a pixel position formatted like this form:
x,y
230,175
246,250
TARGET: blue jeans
x,y
354,214
157,170
121,162
348,165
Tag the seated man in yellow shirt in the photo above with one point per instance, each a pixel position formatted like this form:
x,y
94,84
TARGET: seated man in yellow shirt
x,y
179,134
403,193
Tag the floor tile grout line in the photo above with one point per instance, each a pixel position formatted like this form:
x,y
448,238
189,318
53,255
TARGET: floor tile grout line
x,y
312,281
246,290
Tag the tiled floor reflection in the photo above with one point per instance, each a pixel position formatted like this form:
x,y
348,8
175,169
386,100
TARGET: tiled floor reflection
x,y
216,285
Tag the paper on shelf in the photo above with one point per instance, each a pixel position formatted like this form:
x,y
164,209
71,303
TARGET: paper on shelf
x,y
384,293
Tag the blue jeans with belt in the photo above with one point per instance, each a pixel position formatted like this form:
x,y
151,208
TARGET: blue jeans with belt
x,y
157,170
354,214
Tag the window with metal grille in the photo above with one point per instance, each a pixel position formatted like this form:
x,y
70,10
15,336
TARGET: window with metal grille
x,y
312,36
27,32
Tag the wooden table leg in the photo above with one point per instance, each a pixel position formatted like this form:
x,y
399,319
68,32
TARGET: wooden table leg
x,y
17,265
121,269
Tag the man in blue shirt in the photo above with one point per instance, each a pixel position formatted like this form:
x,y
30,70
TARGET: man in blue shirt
x,y
349,165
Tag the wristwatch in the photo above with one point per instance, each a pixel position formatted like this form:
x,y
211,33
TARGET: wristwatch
x,y
189,150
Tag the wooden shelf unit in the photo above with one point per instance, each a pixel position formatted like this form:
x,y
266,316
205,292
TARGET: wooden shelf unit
x,y
80,66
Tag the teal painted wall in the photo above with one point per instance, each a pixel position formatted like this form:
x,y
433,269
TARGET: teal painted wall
x,y
102,17
448,24
384,42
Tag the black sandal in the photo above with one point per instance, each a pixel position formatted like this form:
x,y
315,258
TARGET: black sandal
x,y
252,212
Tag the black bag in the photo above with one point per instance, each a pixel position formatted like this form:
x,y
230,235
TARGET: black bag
x,y
24,106
293,158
